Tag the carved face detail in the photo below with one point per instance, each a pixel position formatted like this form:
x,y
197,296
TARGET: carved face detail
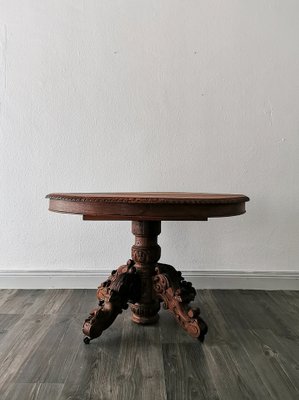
x,y
141,256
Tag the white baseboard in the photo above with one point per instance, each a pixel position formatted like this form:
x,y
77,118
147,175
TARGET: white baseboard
x,y
251,280
90,279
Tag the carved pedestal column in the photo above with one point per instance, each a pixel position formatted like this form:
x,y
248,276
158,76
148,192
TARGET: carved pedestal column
x,y
146,252
144,284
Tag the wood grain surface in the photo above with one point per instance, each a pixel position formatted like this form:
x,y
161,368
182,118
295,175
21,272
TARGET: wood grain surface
x,y
251,352
148,205
150,197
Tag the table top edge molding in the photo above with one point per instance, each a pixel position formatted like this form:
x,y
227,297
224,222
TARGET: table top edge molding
x,y
150,198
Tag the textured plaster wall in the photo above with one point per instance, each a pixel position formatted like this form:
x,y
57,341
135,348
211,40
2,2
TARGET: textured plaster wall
x,y
160,95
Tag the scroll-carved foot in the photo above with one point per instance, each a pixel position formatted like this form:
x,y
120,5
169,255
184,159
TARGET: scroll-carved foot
x,y
176,293
123,285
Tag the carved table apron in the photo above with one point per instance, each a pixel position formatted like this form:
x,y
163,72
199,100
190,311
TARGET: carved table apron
x,y
143,283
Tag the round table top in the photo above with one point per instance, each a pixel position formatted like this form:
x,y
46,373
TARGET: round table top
x,y
148,206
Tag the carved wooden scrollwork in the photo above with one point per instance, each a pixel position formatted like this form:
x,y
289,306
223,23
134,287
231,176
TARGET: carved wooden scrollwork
x,y
122,286
176,294
145,283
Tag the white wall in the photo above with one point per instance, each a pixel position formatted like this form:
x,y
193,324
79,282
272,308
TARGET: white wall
x,y
165,95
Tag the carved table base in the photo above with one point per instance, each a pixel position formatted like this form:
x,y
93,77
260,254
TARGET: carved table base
x,y
144,283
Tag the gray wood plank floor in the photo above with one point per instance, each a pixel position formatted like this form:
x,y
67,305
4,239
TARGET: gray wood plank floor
x,y
251,350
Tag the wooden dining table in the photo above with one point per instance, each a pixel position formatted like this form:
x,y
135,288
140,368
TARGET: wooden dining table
x,y
143,283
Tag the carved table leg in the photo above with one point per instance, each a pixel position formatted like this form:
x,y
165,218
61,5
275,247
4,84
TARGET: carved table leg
x,y
146,252
176,293
122,286
144,283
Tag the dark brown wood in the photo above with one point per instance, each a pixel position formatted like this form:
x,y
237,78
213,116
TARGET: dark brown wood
x,y
176,293
150,197
122,286
148,206
143,282
146,252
